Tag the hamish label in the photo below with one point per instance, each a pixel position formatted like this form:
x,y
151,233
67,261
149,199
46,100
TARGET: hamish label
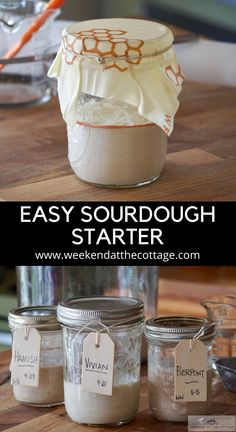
x,y
25,357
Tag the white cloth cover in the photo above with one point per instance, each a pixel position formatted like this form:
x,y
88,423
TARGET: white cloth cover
x,y
124,59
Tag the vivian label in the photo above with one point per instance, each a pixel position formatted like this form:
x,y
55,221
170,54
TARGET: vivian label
x,y
98,363
190,373
25,357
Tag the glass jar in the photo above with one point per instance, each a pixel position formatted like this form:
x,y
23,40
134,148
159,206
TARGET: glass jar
x,y
129,281
118,83
126,281
23,80
39,285
163,335
49,391
122,318
112,145
222,310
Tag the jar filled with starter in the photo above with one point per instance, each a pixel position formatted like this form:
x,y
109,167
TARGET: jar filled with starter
x,y
37,356
118,83
179,366
102,347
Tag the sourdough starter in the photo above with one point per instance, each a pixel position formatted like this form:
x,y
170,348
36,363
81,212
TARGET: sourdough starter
x,y
91,408
161,397
49,390
131,152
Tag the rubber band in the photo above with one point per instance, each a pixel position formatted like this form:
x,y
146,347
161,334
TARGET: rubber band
x,y
103,60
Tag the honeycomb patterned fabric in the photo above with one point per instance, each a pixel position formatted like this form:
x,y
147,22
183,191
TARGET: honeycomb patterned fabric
x,y
122,59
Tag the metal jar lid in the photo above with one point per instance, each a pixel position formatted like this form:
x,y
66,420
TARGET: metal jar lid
x,y
41,317
110,310
175,328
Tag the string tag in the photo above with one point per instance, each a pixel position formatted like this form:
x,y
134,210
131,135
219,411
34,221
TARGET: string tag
x,y
98,363
25,357
190,371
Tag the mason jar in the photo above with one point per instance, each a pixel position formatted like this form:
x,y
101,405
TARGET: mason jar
x,y
112,145
163,335
118,83
129,281
49,391
121,318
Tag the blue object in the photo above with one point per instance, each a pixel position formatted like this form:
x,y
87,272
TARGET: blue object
x,y
230,2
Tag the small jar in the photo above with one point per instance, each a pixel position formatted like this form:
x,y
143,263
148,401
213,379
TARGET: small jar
x,y
112,145
136,281
49,391
123,320
118,83
163,335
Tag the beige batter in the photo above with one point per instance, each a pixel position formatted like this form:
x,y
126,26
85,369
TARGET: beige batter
x,y
117,157
49,390
91,408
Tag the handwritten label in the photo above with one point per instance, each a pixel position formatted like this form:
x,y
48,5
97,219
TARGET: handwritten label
x,y
97,364
25,357
190,373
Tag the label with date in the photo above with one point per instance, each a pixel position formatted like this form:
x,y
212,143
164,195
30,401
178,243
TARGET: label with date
x,y
25,357
97,364
190,371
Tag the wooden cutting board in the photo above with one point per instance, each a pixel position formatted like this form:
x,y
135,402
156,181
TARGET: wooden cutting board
x,y
19,418
201,162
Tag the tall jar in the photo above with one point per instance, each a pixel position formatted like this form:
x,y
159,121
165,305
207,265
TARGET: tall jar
x,y
49,391
126,281
118,82
121,318
129,281
39,285
163,335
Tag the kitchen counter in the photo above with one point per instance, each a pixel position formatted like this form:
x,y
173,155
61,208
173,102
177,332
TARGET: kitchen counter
x,y
201,161
19,418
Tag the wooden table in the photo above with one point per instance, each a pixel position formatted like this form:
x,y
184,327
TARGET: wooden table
x,y
19,418
201,162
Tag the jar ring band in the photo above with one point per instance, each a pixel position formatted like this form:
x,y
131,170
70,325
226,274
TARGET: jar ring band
x,y
200,332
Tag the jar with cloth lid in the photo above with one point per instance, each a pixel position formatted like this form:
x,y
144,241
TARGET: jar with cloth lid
x,y
102,344
118,83
37,356
179,366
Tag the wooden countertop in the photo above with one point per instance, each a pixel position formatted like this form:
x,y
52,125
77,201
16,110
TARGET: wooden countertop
x,y
200,164
19,418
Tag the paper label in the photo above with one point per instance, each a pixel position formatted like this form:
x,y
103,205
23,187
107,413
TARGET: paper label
x,y
190,373
25,357
97,364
